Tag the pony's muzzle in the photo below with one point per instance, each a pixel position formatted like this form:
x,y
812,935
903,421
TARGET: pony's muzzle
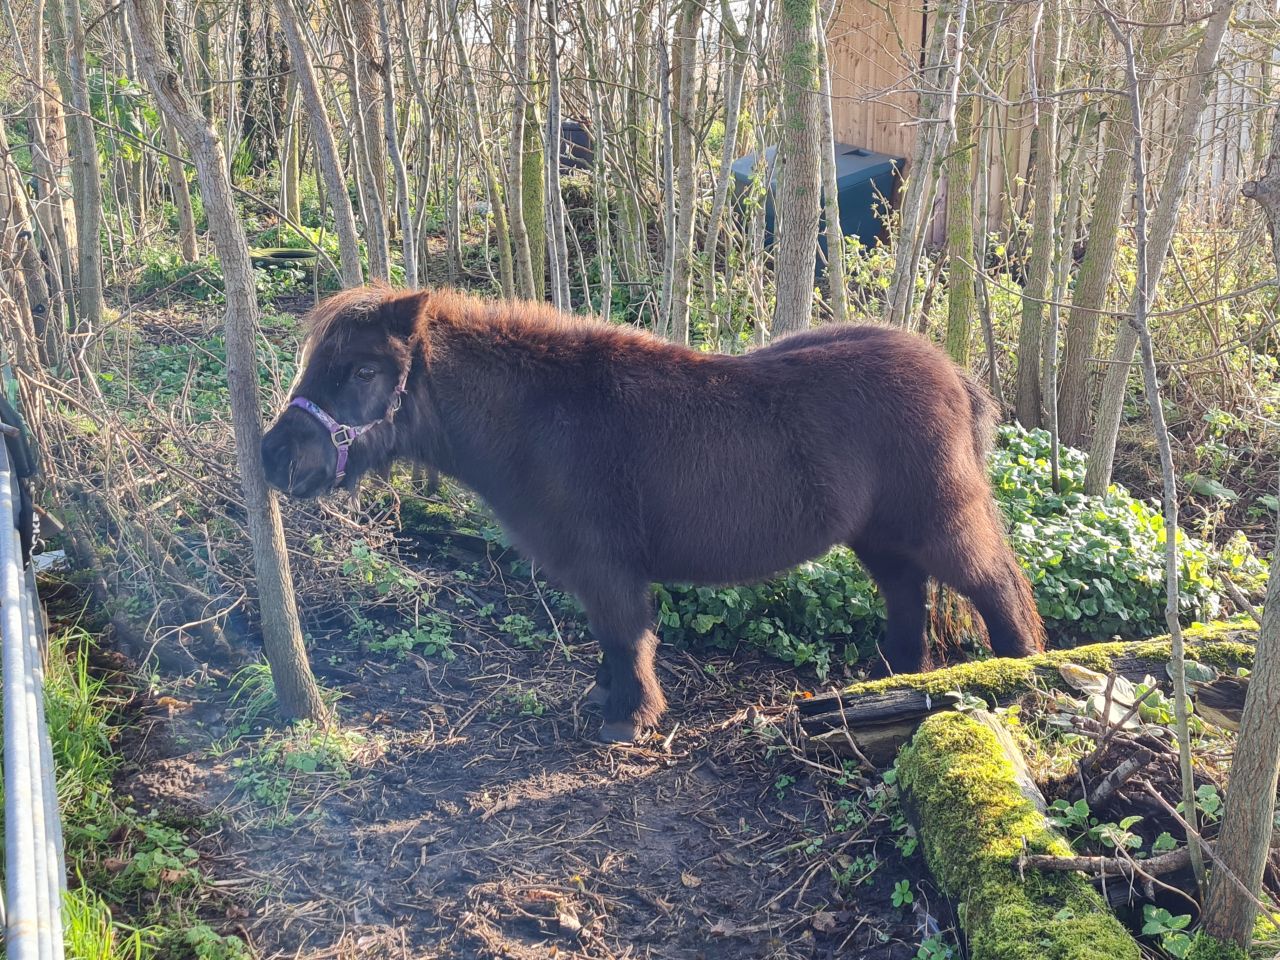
x,y
297,468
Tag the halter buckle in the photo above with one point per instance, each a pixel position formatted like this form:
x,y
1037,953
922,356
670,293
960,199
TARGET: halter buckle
x,y
343,436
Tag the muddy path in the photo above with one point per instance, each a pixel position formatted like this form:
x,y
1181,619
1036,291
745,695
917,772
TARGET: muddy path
x,y
479,819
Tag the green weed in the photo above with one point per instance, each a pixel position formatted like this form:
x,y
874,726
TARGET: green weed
x,y
1159,922
524,632
294,764
431,635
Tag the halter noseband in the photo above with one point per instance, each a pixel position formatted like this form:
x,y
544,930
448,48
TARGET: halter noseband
x,y
342,435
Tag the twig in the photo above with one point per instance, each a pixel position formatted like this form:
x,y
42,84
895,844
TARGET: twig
x,y
1238,598
1092,759
1125,867
564,647
1118,777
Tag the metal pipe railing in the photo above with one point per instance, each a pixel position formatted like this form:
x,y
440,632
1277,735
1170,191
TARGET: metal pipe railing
x,y
35,875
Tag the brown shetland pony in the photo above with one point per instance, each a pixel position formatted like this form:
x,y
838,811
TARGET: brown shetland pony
x,y
616,459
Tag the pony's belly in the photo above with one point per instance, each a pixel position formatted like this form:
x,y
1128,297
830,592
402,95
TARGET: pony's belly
x,y
737,556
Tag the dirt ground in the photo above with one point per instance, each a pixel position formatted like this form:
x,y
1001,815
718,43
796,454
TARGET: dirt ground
x,y
477,829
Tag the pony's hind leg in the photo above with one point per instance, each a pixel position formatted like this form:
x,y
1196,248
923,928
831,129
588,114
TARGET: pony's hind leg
x,y
901,582
621,619
983,568
1003,596
599,691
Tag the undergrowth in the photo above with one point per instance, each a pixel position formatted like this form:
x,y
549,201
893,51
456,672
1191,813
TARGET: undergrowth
x,y
135,879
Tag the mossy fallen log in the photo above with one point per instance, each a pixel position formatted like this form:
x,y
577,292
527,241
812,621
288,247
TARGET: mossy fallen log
x,y
975,821
876,717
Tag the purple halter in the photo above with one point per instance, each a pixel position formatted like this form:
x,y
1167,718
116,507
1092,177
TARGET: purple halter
x,y
342,435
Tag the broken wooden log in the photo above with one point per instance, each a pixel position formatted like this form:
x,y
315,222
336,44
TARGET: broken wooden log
x,y
878,716
878,723
960,785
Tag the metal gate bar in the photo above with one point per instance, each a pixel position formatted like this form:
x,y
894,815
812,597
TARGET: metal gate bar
x,y
35,874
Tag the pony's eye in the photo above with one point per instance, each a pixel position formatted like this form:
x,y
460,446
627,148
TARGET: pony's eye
x,y
366,373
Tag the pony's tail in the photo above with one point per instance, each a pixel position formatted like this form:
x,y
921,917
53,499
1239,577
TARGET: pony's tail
x,y
984,417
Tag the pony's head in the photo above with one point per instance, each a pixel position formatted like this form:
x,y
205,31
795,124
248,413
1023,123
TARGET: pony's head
x,y
349,396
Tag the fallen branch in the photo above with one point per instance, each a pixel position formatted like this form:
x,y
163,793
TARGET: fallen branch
x,y
1124,867
878,716
1238,598
1092,759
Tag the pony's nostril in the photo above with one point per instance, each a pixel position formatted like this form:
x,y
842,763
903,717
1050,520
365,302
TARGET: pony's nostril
x,y
289,474
275,462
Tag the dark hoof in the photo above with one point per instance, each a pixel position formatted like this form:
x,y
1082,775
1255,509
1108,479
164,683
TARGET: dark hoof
x,y
619,731
598,695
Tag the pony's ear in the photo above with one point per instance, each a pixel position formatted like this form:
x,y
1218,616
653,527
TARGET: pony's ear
x,y
400,312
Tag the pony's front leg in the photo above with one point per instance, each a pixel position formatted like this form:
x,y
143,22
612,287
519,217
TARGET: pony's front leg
x,y
621,619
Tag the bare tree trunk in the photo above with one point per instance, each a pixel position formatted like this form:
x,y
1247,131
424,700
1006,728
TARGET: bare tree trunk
x,y
943,62
604,229
1103,449
836,292
961,298
369,74
1029,405
85,184
291,156
686,44
525,284
985,136
497,207
46,202
1089,295
326,149
181,193
408,237
204,58
1247,823
453,213
366,144
1094,276
533,198
296,688
1072,172
797,205
601,167
36,343
557,241
668,164
733,107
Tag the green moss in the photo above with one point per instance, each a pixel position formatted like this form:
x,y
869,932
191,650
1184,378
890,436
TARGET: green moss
x,y
974,823
1209,643
1205,947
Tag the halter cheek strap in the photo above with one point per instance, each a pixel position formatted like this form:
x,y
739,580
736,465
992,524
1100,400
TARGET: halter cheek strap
x,y
343,435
